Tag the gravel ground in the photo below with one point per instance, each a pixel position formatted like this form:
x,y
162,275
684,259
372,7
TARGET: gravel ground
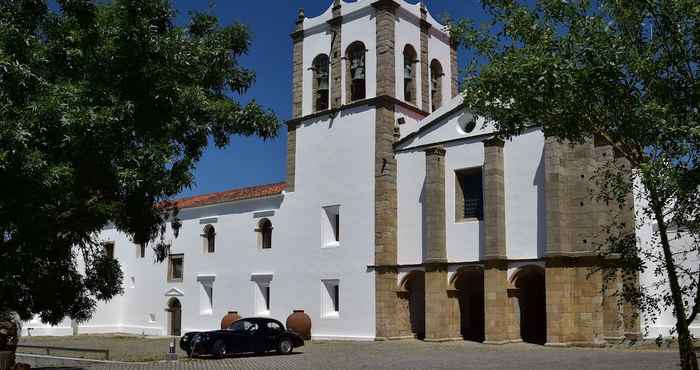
x,y
380,355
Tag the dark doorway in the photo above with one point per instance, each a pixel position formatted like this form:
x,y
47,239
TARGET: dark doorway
x,y
415,285
470,288
175,310
533,306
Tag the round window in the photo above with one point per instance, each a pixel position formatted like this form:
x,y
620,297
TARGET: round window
x,y
467,123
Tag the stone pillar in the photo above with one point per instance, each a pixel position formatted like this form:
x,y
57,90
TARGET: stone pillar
x,y
298,66
498,306
386,46
291,156
385,223
336,56
437,303
424,59
454,65
554,197
494,200
434,207
297,97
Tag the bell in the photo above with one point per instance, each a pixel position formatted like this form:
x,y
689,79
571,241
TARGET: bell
x,y
408,71
323,83
357,67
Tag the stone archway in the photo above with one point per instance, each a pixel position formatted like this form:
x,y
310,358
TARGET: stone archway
x,y
174,317
469,283
532,300
414,285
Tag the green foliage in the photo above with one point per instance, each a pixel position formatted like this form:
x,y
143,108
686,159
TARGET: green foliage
x,y
622,71
105,108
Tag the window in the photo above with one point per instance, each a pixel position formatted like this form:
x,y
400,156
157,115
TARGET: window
x,y
176,267
321,77
273,326
262,293
209,237
244,326
331,298
436,75
355,58
264,234
141,250
206,294
330,226
409,74
108,249
469,203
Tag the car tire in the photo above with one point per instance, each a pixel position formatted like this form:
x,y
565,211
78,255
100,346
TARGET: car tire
x,y
285,347
219,349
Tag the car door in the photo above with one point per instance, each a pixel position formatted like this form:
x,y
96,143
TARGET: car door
x,y
237,337
256,337
272,331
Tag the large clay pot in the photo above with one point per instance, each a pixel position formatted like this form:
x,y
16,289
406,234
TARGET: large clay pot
x,y
300,323
229,319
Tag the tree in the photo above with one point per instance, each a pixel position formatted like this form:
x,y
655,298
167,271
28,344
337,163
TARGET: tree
x,y
105,109
622,71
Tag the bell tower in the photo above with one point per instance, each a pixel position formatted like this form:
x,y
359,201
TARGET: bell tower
x,y
362,70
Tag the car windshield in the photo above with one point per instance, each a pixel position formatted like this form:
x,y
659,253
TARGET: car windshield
x,y
243,325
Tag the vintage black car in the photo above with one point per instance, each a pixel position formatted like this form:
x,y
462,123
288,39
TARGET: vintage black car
x,y
258,335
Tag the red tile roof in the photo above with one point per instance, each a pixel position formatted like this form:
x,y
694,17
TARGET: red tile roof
x,y
231,195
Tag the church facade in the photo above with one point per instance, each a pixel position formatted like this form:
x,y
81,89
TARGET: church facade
x,y
402,215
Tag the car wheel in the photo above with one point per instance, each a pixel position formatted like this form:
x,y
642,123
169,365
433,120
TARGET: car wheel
x,y
285,347
219,349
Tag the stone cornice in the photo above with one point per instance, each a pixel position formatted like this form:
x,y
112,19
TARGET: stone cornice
x,y
495,141
386,4
382,99
297,35
436,150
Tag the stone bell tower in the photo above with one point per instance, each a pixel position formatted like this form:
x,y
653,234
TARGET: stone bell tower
x,y
386,57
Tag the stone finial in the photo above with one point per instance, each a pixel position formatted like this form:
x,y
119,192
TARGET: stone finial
x,y
301,16
336,4
446,20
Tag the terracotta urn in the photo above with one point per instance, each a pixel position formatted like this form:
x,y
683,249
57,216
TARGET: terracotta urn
x,y
300,323
229,319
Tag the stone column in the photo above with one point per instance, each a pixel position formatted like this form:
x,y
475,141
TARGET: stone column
x,y
336,56
386,46
434,207
498,306
291,156
494,200
424,59
437,301
297,97
385,223
454,65
298,66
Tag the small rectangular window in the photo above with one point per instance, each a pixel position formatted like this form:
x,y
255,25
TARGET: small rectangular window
x,y
262,301
142,250
469,198
176,267
108,249
330,226
336,298
267,298
330,299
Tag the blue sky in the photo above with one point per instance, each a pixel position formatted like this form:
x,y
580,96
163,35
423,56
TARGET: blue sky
x,y
248,161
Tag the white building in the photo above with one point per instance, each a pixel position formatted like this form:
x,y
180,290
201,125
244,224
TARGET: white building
x,y
401,216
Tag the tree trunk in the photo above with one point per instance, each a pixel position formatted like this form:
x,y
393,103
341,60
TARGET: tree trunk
x,y
689,360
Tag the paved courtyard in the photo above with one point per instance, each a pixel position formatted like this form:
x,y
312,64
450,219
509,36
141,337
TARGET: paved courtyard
x,y
421,355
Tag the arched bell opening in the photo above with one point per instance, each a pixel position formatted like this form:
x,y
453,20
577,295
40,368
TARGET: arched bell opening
x,y
469,284
532,299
